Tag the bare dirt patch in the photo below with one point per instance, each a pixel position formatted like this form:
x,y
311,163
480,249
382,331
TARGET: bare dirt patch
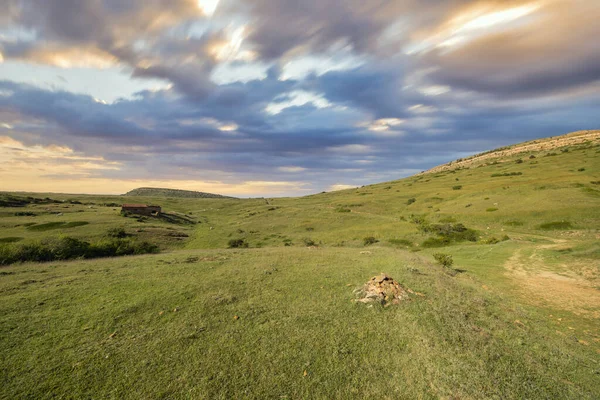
x,y
540,286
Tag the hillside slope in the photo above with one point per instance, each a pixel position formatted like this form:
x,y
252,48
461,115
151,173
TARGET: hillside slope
x,y
517,314
533,146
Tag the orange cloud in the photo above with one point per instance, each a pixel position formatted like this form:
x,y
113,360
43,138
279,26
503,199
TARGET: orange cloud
x,y
58,169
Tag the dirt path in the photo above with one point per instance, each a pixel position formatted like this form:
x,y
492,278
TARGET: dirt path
x,y
539,285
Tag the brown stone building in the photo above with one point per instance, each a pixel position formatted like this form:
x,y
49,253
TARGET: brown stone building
x,y
141,209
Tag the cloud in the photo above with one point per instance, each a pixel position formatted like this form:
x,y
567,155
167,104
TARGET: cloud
x,y
340,186
528,59
255,94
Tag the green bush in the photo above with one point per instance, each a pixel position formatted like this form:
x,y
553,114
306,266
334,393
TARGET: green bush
x,y
369,240
457,187
491,240
308,242
435,242
444,259
237,243
491,209
66,248
116,233
343,210
410,201
506,174
452,232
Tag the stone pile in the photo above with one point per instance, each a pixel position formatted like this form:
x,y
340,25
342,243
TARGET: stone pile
x,y
382,289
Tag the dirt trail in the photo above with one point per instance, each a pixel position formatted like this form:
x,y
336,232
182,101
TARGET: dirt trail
x,y
567,290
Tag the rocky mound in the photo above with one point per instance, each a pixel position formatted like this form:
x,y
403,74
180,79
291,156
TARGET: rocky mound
x,y
382,289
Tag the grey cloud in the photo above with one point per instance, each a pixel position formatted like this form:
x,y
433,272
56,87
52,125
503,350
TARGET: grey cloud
x,y
553,53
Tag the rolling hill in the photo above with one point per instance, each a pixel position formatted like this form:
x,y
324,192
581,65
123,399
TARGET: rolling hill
x,y
516,315
162,192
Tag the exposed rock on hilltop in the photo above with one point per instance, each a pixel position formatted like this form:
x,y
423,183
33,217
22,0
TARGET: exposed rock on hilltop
x,y
546,144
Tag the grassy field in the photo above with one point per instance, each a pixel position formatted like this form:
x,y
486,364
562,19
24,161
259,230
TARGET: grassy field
x,y
518,318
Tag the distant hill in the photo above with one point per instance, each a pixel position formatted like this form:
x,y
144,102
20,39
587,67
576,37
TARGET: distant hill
x,y
162,192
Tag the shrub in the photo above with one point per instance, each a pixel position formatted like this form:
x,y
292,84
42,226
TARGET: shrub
x,y
417,219
343,210
518,161
25,214
456,187
410,201
308,242
116,233
435,242
491,240
491,209
65,248
444,259
237,243
506,174
581,169
531,157
369,240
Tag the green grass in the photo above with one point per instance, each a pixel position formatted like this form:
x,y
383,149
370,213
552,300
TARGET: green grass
x,y
122,338
10,239
106,328
556,225
56,225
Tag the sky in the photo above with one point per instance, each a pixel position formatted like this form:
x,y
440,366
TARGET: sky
x,y
271,98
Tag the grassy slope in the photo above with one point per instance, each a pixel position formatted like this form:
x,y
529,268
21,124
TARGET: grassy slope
x,y
481,334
